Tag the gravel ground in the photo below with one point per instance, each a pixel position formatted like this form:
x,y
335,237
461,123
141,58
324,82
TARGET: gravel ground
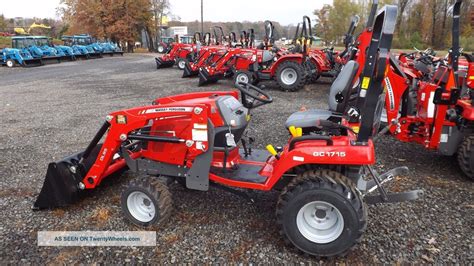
x,y
52,111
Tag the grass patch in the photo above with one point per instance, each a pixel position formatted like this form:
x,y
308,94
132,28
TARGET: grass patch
x,y
5,42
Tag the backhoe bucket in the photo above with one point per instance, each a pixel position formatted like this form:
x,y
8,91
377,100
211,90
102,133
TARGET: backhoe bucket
x,y
205,78
188,72
61,185
32,62
160,63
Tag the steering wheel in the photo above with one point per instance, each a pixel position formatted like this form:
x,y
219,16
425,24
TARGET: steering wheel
x,y
257,96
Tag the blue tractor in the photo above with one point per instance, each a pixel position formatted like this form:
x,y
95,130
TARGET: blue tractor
x,y
11,57
94,49
80,51
111,48
37,48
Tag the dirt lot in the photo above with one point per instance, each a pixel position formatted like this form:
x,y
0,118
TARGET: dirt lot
x,y
52,111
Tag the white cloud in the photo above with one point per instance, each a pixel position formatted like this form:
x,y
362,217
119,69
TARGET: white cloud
x,y
29,8
285,12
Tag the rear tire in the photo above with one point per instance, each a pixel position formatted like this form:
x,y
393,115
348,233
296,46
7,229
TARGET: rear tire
x,y
181,63
10,63
313,77
290,75
321,213
244,76
466,156
146,202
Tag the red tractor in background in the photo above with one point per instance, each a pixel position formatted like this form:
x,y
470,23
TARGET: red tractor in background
x,y
323,174
179,54
209,53
434,108
253,65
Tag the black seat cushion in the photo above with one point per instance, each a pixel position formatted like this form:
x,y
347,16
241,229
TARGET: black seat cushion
x,y
338,96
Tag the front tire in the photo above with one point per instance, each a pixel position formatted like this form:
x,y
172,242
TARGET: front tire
x,y
10,63
244,76
181,62
466,156
321,213
146,202
161,49
290,75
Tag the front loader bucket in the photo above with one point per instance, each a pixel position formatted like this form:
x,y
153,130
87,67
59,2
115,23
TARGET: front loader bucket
x,y
61,185
51,60
68,58
188,72
95,55
32,62
160,63
205,78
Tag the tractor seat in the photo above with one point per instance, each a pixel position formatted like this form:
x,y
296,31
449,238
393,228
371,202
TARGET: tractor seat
x,y
267,56
339,94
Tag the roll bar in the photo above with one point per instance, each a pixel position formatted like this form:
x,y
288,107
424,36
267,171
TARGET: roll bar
x,y
454,53
377,57
218,35
307,32
350,32
373,11
197,37
207,39
269,30
297,33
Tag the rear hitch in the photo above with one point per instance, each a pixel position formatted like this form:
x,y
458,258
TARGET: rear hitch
x,y
384,196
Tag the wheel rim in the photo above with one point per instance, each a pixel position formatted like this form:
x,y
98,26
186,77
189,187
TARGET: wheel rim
x,y
9,63
320,222
242,78
160,49
289,76
181,64
140,206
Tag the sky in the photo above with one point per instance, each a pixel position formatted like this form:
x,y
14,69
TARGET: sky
x,y
285,12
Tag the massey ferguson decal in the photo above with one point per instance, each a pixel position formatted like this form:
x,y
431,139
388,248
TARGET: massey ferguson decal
x,y
168,109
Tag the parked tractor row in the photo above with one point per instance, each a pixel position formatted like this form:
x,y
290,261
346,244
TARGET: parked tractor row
x,y
217,56
30,51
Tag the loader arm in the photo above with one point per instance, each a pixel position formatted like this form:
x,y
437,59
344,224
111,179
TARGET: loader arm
x,y
66,179
123,124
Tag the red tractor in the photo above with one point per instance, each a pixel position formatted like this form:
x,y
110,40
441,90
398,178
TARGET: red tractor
x,y
209,54
434,108
253,65
179,54
192,138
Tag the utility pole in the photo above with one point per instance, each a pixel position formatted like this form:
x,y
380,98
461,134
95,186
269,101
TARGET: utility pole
x,y
202,17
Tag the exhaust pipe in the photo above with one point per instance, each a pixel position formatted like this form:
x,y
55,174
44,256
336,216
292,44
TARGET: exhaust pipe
x,y
63,182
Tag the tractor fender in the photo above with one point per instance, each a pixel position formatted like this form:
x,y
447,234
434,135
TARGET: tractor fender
x,y
319,62
289,57
467,110
338,151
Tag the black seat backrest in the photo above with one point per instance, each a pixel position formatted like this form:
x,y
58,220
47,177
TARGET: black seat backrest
x,y
340,91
